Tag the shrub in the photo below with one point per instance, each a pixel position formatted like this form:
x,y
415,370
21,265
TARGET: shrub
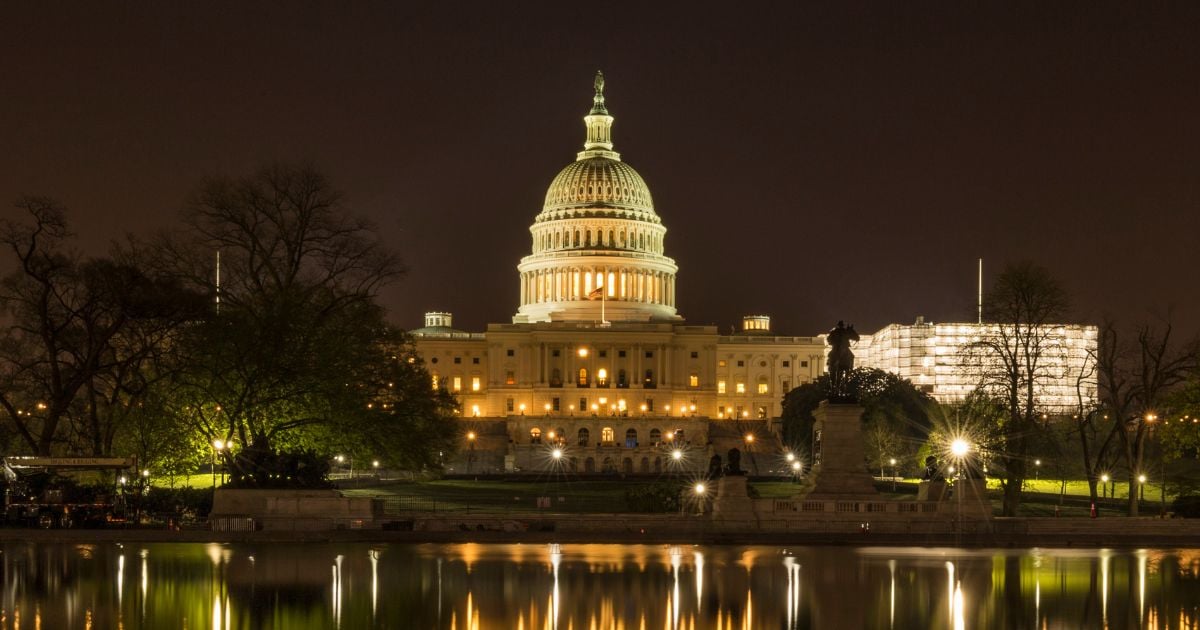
x,y
662,496
282,470
1187,506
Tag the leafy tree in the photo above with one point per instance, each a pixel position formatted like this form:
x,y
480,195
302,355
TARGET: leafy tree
x,y
896,415
295,355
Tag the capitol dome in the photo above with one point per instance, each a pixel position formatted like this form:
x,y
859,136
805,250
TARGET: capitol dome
x,y
598,185
597,243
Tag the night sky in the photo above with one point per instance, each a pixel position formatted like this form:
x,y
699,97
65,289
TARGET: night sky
x,y
811,161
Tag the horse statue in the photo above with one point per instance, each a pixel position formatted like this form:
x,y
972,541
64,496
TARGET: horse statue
x,y
841,361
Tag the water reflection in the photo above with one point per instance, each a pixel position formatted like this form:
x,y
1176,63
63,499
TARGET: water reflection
x,y
536,587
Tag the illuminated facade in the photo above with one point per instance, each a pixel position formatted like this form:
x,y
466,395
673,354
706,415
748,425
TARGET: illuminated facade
x,y
938,358
597,354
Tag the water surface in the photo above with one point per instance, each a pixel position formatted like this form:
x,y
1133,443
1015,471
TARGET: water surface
x,y
568,587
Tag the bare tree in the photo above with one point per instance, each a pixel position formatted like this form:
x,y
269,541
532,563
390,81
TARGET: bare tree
x,y
1096,430
1014,359
1135,381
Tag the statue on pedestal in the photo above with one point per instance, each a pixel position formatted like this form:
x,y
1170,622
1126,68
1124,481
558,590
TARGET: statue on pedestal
x,y
714,466
841,362
734,468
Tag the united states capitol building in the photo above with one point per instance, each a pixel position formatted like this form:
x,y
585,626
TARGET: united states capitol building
x,y
597,367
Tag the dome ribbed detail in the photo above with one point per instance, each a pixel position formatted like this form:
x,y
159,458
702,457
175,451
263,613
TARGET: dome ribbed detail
x,y
598,184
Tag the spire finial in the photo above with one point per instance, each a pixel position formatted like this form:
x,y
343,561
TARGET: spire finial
x,y
598,99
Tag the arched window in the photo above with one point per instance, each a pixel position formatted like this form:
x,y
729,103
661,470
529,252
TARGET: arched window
x,y
622,238
648,382
631,438
602,377
576,238
655,435
535,436
557,239
560,436
587,238
641,241
583,378
589,465
608,466
606,435
584,436
611,241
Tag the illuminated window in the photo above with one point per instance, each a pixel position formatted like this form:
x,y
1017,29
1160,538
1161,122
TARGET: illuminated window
x,y
583,352
722,363
741,388
582,381
762,413
535,435
602,377
762,388
720,387
606,435
435,381
510,378
474,383
694,380
457,384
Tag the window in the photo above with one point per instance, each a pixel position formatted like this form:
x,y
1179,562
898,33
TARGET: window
x,y
474,383
741,364
535,436
621,353
583,404
804,364
606,435
433,360
694,380
740,412
649,354
602,378
583,437
648,382
631,438
787,363
509,352
722,363
720,387
762,388
435,381
556,378
555,352
457,360
762,413
556,404
649,404
787,386
582,380
655,435
475,360
510,378
622,381
603,353
695,355
741,388
457,384
509,405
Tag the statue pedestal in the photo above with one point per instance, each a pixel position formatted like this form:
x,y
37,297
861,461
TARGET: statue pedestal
x,y
732,503
840,470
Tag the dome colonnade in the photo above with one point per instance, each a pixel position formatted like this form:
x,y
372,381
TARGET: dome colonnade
x,y
597,238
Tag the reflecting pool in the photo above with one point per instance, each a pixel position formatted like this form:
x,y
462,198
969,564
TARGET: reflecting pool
x,y
581,587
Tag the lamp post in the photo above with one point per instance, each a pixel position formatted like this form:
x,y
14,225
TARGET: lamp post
x,y
217,445
1141,487
892,461
959,449
471,450
1104,489
1037,469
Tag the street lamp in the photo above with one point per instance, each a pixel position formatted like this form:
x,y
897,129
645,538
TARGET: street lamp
x,y
677,455
1037,469
892,461
556,454
1141,487
471,453
1104,491
218,445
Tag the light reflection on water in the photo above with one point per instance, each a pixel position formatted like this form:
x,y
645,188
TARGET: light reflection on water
x,y
569,587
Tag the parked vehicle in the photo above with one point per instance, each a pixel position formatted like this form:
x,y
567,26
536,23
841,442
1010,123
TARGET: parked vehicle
x,y
52,492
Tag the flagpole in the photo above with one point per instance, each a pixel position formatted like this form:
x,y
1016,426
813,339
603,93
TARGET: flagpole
x,y
603,300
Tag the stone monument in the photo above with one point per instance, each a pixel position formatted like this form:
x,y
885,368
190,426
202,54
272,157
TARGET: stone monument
x,y
733,502
839,468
